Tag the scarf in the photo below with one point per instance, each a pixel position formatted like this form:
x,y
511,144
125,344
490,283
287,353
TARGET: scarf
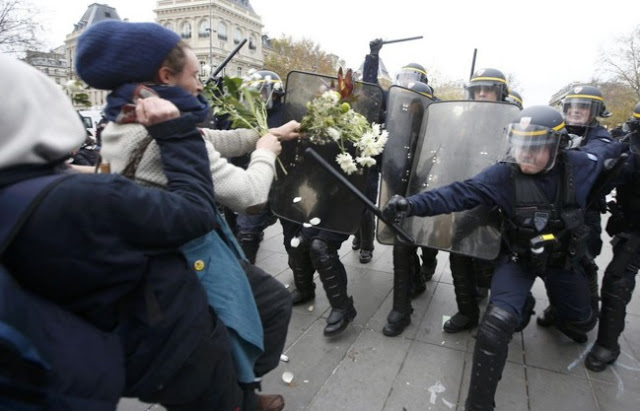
x,y
121,102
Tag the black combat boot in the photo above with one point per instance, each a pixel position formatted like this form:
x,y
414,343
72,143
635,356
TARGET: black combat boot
x,y
464,283
616,294
300,264
548,317
250,242
489,357
400,316
429,263
527,312
334,280
355,244
367,228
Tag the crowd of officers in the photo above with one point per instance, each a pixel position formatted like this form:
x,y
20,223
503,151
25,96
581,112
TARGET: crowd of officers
x,y
552,213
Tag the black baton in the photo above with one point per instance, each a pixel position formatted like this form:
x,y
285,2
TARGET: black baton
x,y
372,207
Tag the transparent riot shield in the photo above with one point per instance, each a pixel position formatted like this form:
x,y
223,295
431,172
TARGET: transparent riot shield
x,y
461,138
404,122
307,194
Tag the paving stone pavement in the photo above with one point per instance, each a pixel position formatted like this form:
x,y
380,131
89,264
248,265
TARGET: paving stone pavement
x,y
425,368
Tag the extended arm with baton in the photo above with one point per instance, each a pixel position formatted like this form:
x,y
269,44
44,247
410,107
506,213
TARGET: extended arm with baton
x,y
399,40
310,152
224,63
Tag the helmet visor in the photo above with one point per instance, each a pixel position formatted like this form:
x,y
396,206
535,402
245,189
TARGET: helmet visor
x,y
408,76
267,89
534,148
580,111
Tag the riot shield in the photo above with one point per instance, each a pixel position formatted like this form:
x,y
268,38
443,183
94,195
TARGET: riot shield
x,y
404,121
307,194
460,139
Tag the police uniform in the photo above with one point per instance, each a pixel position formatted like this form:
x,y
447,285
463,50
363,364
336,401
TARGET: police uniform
x,y
619,278
544,236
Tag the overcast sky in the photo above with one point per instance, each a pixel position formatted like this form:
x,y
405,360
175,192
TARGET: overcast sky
x,y
545,44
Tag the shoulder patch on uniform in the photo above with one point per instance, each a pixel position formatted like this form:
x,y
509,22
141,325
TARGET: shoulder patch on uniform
x,y
592,157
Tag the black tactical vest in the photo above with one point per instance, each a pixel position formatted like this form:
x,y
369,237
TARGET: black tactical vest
x,y
535,215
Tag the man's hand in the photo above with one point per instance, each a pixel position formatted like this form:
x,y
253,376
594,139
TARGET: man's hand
x,y
396,209
271,143
154,110
375,46
288,131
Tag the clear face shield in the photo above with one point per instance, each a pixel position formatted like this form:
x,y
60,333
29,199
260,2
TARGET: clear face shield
x,y
483,91
580,112
533,148
408,76
268,89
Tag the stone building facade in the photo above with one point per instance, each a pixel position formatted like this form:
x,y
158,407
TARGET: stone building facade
x,y
214,28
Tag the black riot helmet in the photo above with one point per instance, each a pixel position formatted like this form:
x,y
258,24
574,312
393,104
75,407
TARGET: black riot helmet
x,y
581,106
514,98
633,126
268,83
423,89
534,137
488,78
411,73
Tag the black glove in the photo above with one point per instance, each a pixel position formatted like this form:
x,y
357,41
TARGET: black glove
x,y
396,209
375,46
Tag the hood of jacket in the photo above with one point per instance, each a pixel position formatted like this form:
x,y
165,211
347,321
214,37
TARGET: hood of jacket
x,y
39,124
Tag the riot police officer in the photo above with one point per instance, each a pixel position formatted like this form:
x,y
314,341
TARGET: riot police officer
x,y
487,84
542,193
472,276
515,98
410,277
581,107
620,275
250,227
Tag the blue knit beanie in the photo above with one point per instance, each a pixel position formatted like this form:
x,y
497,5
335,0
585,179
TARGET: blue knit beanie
x,y
114,52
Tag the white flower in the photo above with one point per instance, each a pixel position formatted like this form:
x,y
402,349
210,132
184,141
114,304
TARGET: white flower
x,y
346,163
295,242
366,161
334,134
332,96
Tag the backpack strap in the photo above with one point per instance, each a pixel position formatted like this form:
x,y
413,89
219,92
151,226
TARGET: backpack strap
x,y
19,200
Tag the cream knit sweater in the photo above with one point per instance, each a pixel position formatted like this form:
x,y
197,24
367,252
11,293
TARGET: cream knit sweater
x,y
234,187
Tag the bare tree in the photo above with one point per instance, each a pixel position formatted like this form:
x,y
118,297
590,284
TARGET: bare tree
x,y
18,26
623,63
302,55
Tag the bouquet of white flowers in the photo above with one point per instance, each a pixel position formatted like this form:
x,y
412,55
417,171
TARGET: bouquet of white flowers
x,y
330,118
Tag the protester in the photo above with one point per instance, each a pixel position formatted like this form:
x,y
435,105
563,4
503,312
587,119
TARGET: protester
x,y
253,305
119,266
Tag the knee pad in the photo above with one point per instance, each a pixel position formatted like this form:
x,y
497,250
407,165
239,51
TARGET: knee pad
x,y
615,287
322,255
497,327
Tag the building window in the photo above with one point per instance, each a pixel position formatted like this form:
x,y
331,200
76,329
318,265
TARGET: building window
x,y
239,72
204,30
186,30
252,43
237,36
222,31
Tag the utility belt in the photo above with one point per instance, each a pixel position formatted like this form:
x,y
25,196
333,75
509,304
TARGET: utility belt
x,y
561,250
